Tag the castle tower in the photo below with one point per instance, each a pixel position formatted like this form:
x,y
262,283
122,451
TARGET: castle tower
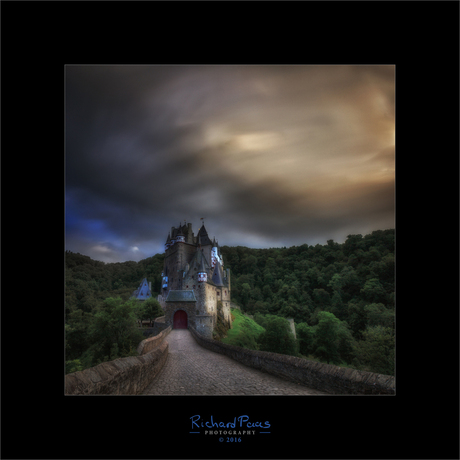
x,y
217,278
202,273
194,280
180,238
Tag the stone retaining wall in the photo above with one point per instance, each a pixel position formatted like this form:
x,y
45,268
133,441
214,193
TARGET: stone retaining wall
x,y
320,376
122,376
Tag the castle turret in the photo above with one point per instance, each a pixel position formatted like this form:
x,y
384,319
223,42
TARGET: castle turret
x,y
217,276
202,274
203,234
180,237
215,256
168,242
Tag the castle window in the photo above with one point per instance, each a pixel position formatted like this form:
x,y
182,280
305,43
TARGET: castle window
x,y
186,287
218,293
194,286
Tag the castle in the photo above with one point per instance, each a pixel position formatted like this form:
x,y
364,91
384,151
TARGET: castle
x,y
194,281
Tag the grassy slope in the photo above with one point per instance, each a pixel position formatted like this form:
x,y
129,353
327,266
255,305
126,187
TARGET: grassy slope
x,y
242,326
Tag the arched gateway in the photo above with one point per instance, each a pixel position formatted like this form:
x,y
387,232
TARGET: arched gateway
x,y
180,320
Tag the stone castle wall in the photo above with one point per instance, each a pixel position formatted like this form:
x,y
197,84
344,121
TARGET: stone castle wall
x,y
204,324
324,377
122,376
176,257
172,307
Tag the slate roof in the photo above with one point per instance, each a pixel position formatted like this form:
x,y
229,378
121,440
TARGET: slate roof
x,y
217,276
202,266
143,291
203,237
181,296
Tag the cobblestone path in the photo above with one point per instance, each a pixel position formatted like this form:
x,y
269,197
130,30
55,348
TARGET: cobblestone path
x,y
191,369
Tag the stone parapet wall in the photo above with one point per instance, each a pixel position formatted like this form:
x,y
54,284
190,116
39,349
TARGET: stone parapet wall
x,y
149,344
320,376
122,376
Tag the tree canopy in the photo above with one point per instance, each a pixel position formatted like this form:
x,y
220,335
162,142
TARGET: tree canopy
x,y
340,295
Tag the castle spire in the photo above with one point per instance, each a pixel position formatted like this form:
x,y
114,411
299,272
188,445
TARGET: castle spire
x,y
217,275
202,274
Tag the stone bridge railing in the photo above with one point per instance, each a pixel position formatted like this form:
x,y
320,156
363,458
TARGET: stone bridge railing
x,y
320,376
122,376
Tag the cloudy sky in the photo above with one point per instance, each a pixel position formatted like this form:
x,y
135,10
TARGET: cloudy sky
x,y
269,156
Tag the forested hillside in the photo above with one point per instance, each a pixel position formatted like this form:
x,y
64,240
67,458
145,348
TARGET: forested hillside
x,y
100,321
341,296
300,281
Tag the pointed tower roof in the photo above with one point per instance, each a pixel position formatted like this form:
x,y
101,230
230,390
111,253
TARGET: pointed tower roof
x,y
143,292
203,236
202,268
217,275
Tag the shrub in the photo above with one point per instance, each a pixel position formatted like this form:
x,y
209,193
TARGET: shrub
x,y
278,337
376,352
73,365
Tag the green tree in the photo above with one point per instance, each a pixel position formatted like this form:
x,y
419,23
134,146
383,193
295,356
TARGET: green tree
x,y
73,365
373,291
245,294
356,317
336,282
378,315
337,306
76,333
352,244
267,293
151,309
249,264
376,352
114,323
277,337
326,337
345,343
321,298
305,336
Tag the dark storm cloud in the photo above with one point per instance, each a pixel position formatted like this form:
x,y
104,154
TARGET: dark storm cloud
x,y
275,155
